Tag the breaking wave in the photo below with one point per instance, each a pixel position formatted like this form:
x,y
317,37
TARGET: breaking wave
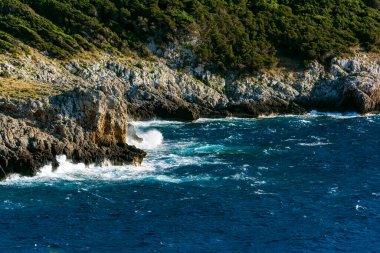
x,y
150,139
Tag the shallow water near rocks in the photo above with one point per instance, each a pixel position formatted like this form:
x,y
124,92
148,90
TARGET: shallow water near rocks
x,y
274,184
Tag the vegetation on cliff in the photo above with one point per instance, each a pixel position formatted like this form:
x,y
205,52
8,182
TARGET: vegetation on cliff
x,y
244,35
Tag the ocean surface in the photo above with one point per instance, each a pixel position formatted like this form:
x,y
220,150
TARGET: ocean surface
x,y
275,184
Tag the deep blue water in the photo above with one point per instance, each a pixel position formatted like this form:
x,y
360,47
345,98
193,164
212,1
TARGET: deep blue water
x,y
283,184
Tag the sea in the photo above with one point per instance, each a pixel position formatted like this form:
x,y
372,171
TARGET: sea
x,y
307,183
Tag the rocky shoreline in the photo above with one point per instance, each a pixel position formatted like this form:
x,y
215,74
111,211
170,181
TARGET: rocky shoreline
x,y
85,106
83,124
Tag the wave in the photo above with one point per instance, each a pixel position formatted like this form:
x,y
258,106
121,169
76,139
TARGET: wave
x,y
178,180
313,144
68,171
10,205
315,113
156,122
206,149
262,192
208,120
271,116
150,139
311,114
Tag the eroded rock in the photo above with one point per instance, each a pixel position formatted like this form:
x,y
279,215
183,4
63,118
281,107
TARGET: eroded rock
x,y
85,125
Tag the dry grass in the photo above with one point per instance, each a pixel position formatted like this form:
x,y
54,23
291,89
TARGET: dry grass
x,y
22,89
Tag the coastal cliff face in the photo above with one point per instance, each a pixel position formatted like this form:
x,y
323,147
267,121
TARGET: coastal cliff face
x,y
156,88
86,125
81,107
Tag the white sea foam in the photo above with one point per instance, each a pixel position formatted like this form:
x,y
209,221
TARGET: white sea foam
x,y
334,114
303,118
313,144
333,190
207,120
209,148
156,123
261,192
359,207
152,168
311,114
168,179
319,141
315,114
244,177
68,171
271,116
150,139
10,205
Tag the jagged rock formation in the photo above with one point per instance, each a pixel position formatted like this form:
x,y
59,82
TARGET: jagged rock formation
x,y
86,125
153,89
87,117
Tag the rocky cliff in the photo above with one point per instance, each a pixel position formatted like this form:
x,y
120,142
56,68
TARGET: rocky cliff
x,y
86,124
81,107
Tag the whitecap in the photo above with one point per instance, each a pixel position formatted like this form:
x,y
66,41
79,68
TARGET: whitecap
x,y
156,122
358,207
178,180
304,121
273,116
209,148
10,205
318,143
333,190
150,139
270,151
210,120
344,115
261,192
165,178
303,118
243,177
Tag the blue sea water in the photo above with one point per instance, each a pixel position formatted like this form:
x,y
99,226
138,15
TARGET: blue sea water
x,y
277,184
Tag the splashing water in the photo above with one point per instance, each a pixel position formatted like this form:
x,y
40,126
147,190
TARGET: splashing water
x,y
150,139
71,172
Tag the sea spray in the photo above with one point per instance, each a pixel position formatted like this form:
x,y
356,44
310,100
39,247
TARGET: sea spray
x,y
150,139
70,172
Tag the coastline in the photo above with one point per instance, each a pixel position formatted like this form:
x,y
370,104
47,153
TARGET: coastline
x,y
82,108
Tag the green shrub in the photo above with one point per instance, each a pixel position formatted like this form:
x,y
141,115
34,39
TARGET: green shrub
x,y
234,35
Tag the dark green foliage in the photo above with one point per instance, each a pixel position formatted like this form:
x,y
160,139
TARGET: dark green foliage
x,y
243,35
6,42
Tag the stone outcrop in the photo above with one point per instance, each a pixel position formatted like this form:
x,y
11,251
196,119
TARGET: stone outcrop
x,y
339,88
153,89
86,125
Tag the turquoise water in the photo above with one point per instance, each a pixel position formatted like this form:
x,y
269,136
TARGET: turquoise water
x,y
278,184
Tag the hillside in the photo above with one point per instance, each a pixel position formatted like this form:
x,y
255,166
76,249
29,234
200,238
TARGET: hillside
x,y
224,35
